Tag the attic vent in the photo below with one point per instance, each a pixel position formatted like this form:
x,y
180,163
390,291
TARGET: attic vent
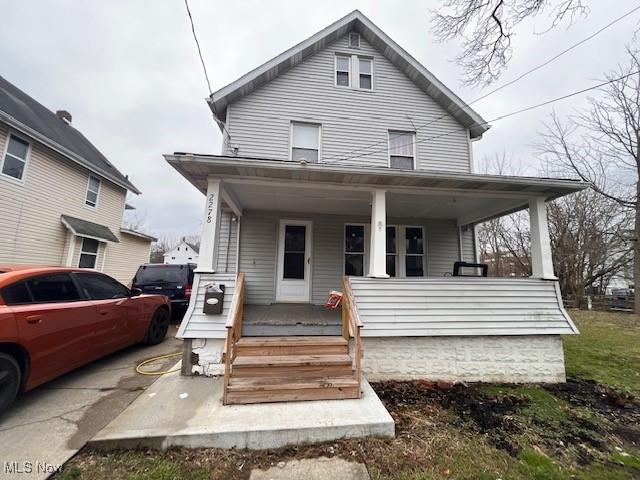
x,y
354,40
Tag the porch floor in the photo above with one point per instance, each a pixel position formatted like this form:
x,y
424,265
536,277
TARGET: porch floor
x,y
282,319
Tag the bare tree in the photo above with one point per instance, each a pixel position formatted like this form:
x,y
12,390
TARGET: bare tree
x,y
487,28
601,145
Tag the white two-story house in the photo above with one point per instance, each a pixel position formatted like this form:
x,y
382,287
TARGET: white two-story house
x,y
347,166
62,202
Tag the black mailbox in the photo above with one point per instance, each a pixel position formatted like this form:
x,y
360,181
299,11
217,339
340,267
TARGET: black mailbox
x,y
213,300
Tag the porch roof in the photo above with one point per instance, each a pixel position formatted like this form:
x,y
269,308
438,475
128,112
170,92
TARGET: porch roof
x,y
470,198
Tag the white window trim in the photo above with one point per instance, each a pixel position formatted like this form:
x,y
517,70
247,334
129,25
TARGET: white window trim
x,y
389,132
354,71
92,207
319,125
9,178
335,69
88,253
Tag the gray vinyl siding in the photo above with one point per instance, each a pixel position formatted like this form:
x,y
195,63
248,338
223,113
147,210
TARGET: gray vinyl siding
x,y
259,240
457,306
227,236
198,325
259,123
467,236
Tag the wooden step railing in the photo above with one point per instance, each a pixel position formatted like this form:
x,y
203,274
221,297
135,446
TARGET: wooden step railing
x,y
351,326
234,331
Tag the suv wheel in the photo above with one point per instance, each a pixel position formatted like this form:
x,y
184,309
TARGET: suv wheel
x,y
10,378
158,327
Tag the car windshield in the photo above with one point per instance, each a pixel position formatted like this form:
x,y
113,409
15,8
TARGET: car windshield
x,y
161,274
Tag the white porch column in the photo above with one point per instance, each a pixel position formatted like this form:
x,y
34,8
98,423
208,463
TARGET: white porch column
x,y
541,260
208,255
378,244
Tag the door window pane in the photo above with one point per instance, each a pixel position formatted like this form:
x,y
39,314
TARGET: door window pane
x,y
391,251
101,287
294,252
414,245
391,265
16,294
53,288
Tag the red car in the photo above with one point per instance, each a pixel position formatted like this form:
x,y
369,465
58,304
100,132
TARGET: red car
x,y
53,320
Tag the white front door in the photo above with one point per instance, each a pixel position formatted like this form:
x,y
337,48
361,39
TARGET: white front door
x,y
293,282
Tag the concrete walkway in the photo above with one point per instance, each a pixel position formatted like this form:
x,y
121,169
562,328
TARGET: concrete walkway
x,y
313,469
188,412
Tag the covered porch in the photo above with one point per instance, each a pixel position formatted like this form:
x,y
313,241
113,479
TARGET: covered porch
x,y
295,232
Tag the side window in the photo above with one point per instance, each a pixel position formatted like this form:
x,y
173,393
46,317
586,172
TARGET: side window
x,y
305,142
16,294
101,287
343,70
15,158
402,150
93,189
88,253
58,287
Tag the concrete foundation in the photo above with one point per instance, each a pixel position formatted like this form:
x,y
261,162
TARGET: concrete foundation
x,y
511,359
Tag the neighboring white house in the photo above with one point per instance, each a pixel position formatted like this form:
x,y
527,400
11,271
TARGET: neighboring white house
x,y
62,201
347,166
182,253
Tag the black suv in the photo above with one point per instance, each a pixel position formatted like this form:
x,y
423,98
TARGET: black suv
x,y
174,281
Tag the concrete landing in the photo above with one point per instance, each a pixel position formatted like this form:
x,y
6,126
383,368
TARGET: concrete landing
x,y
188,412
313,469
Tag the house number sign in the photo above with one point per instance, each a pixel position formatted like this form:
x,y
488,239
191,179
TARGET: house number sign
x,y
210,203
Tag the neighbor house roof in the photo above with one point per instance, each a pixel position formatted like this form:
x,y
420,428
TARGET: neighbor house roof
x,y
354,21
23,113
85,228
136,233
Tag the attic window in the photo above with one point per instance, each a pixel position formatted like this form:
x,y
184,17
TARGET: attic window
x,y
354,40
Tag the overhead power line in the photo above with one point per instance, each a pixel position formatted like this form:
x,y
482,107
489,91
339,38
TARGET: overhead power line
x,y
495,119
345,156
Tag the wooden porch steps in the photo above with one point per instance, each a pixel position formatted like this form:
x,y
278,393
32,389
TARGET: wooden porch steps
x,y
279,369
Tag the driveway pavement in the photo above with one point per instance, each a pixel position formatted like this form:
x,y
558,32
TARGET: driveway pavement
x,y
48,425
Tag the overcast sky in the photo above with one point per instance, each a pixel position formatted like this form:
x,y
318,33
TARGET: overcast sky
x,y
129,74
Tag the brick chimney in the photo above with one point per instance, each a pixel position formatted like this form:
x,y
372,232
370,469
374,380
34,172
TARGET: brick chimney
x,y
64,116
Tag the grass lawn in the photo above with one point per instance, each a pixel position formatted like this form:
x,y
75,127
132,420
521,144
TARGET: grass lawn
x,y
588,428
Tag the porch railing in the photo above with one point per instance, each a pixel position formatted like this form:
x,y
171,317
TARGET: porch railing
x,y
351,325
234,331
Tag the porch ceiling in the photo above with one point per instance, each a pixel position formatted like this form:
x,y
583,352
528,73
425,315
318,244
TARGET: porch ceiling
x,y
322,188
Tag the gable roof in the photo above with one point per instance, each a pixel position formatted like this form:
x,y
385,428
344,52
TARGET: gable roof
x,y
354,21
30,117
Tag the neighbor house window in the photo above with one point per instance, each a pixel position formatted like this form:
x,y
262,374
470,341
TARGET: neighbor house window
x,y
366,73
88,253
354,250
93,188
414,252
343,70
305,142
402,150
15,158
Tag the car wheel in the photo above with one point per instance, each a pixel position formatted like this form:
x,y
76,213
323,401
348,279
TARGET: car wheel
x,y
158,327
10,378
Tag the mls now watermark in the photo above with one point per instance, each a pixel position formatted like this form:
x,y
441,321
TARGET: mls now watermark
x,y
26,467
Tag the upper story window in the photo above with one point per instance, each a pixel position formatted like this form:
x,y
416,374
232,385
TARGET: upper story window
x,y
305,142
402,150
93,188
15,157
343,70
354,71
365,73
